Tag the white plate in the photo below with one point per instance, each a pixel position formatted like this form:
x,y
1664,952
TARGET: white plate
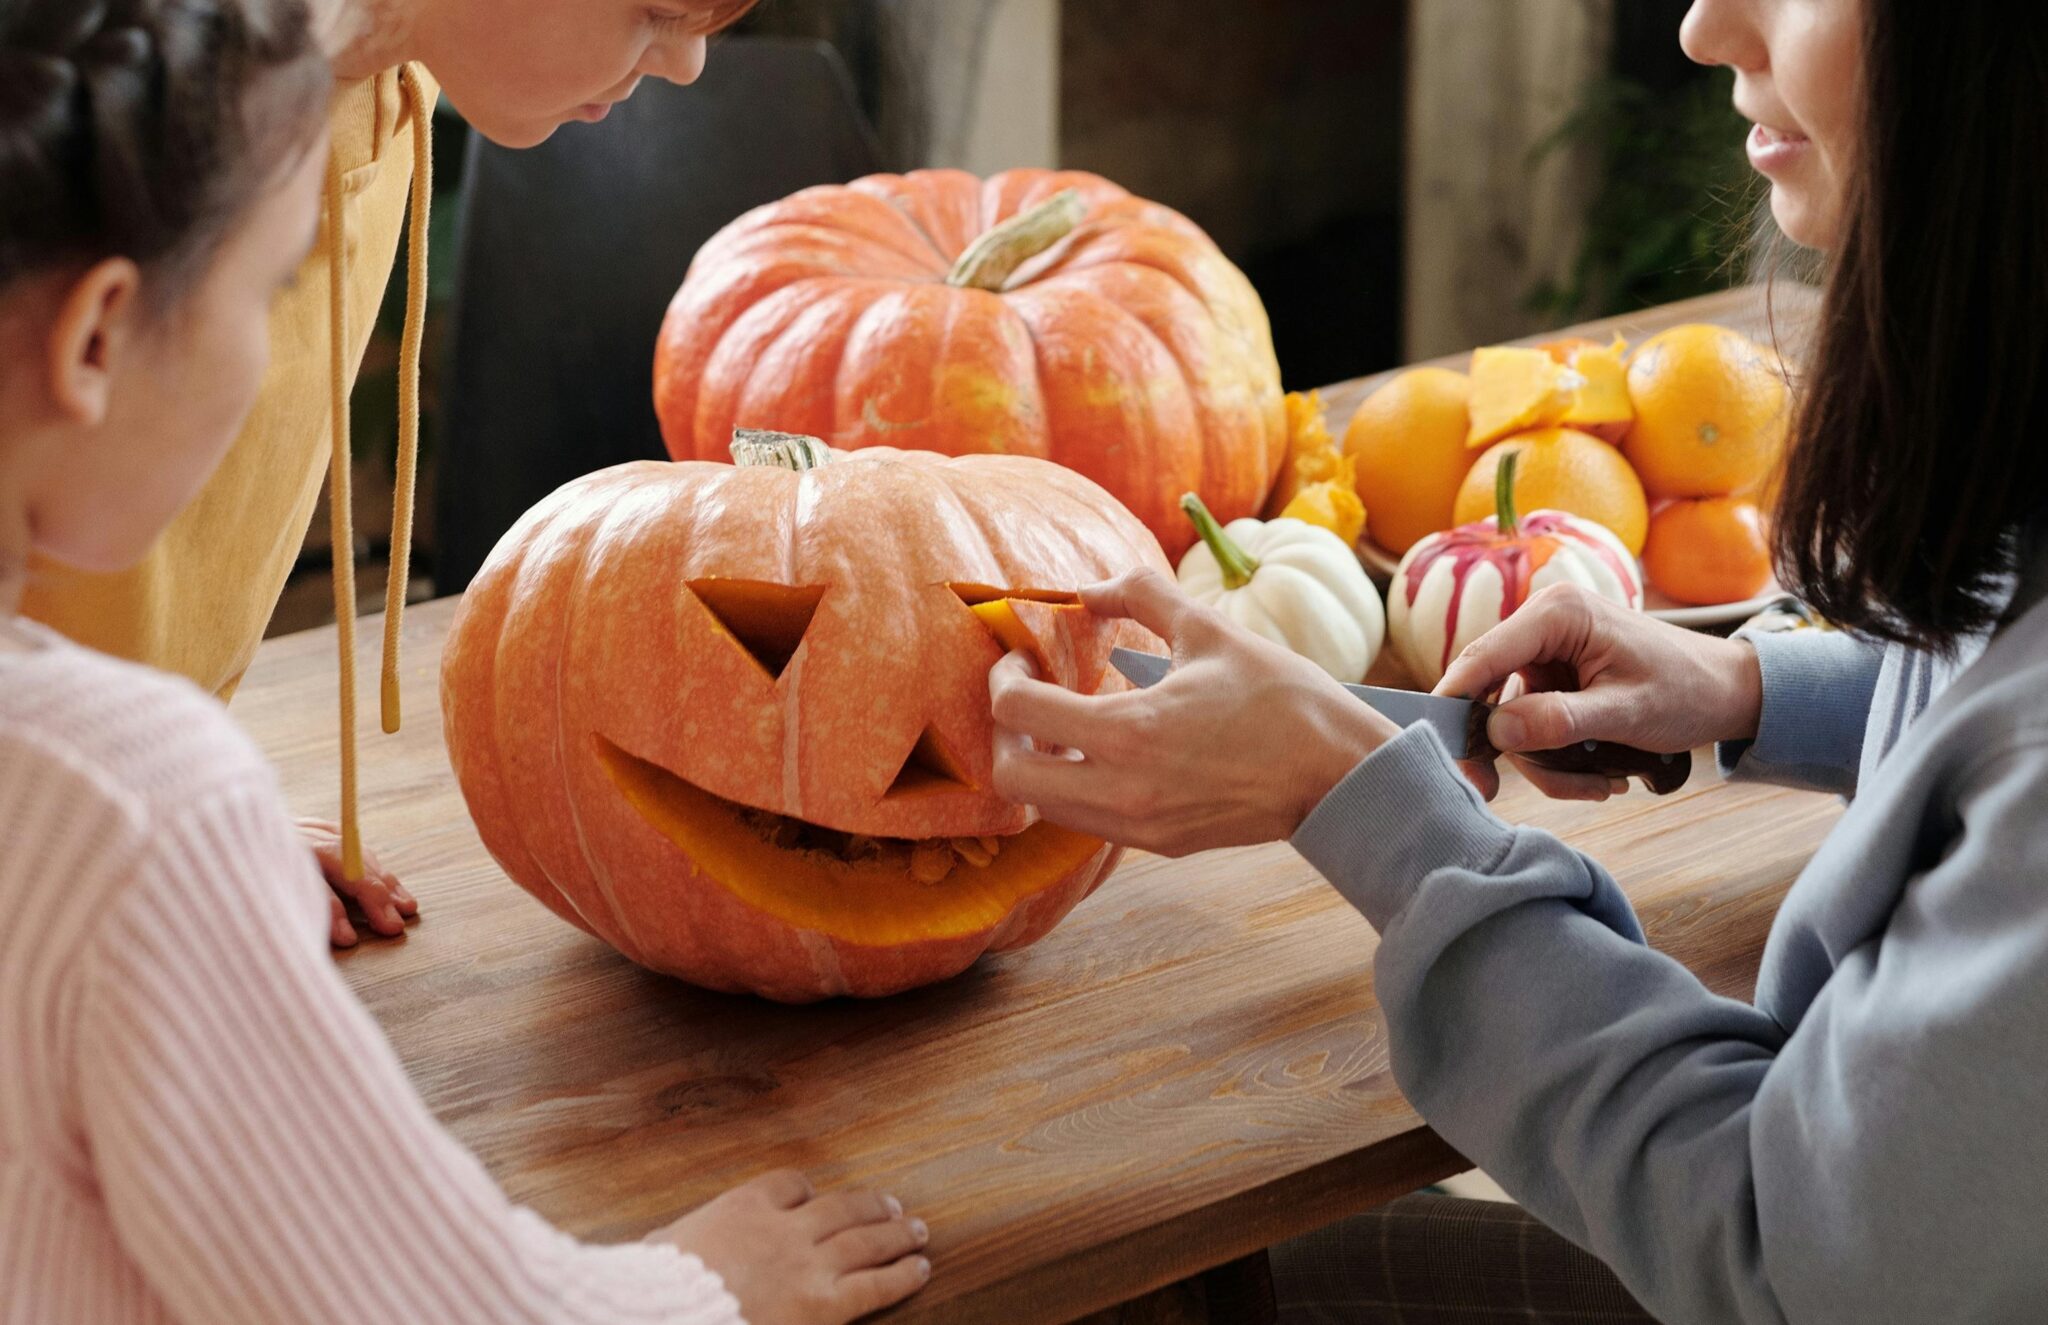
x,y
1380,564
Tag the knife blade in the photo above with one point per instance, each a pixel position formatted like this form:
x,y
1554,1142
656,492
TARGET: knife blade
x,y
1462,725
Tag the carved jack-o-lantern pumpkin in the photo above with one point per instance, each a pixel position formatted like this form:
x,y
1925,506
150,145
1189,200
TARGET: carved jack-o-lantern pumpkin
x,y
734,720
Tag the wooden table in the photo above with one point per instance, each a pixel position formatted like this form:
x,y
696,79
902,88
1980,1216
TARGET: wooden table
x,y
1191,1068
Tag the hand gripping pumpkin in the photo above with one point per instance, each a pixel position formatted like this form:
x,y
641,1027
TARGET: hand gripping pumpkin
x,y
735,720
1038,313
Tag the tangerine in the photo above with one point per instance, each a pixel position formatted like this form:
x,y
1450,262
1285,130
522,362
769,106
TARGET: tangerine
x,y
1708,550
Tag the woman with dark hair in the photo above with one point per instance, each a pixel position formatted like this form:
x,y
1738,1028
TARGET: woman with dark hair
x,y
1867,1141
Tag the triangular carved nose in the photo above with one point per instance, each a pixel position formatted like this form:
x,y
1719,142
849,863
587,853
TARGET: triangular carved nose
x,y
930,768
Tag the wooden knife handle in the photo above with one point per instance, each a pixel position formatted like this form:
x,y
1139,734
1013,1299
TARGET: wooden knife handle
x,y
1661,773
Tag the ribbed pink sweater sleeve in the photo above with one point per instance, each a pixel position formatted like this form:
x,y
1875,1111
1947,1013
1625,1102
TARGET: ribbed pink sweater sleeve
x,y
259,1151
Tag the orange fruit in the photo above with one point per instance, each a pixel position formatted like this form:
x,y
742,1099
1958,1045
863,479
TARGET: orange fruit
x,y
1409,440
1561,469
1712,410
1708,550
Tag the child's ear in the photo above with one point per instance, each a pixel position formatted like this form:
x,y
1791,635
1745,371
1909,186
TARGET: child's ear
x,y
94,327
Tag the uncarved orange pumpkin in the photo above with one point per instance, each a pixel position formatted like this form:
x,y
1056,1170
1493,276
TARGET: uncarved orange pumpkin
x,y
1036,313
735,720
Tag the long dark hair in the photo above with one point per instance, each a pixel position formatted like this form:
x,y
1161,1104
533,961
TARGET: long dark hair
x,y
143,128
1921,443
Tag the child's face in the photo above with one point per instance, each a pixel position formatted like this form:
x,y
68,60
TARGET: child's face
x,y
1798,67
520,69
174,389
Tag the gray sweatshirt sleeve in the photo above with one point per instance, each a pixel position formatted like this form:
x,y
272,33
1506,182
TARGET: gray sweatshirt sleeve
x,y
1873,1166
1817,691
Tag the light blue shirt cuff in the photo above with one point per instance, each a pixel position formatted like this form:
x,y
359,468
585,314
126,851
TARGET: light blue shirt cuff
x,y
1817,687
1404,812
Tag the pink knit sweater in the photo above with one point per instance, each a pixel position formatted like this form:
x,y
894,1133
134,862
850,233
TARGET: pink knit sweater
x,y
198,1121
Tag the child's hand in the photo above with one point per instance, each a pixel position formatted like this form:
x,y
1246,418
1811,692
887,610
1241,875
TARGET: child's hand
x,y
384,900
793,1257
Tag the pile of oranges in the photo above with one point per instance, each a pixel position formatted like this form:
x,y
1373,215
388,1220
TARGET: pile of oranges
x,y
1673,447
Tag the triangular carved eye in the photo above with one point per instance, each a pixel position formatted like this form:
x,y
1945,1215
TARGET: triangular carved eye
x,y
995,609
930,768
976,594
767,620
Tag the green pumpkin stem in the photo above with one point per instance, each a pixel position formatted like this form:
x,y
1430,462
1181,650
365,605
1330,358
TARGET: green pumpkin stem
x,y
758,448
991,260
1504,496
1238,565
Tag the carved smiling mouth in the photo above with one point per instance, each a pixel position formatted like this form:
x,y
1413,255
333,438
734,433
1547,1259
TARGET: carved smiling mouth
x,y
862,888
878,891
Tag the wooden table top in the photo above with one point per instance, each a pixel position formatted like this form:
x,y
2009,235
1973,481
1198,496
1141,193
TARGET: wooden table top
x,y
1190,1068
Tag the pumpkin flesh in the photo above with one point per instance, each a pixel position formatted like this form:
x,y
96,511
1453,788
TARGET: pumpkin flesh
x,y
866,896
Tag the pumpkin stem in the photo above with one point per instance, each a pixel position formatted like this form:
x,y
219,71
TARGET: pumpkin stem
x,y
991,260
1504,517
1238,565
762,448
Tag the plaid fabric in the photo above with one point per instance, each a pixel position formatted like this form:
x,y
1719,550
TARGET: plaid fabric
x,y
1441,1260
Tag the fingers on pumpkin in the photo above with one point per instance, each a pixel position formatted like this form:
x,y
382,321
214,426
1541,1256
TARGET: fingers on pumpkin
x,y
1048,713
1146,597
1074,794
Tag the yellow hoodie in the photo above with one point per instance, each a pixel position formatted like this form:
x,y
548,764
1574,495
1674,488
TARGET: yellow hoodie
x,y
198,604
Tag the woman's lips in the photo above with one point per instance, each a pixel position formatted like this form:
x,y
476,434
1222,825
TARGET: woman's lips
x,y
1773,150
595,112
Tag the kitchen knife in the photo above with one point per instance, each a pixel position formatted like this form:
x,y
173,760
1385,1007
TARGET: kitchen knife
x,y
1462,725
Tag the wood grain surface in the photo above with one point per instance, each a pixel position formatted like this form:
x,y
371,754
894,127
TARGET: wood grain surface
x,y
1189,1069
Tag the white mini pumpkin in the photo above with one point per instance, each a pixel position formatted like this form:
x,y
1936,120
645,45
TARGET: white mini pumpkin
x,y
1454,586
1293,583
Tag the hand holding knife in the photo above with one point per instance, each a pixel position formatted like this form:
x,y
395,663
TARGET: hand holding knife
x,y
1462,725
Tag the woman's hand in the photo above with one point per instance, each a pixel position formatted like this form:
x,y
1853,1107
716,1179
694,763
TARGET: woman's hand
x,y
793,1257
1236,746
1575,667
384,901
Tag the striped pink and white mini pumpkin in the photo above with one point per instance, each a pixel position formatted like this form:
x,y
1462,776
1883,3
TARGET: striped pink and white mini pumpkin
x,y
1455,586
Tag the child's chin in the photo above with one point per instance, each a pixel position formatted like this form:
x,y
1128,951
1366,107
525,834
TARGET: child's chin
x,y
520,134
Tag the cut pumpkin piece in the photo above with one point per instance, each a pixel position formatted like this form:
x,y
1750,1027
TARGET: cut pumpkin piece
x,y
1572,384
1068,644
872,898
1332,504
1313,455
1600,404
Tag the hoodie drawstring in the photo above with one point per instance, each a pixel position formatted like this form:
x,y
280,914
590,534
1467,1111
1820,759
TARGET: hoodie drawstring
x,y
340,518
416,244
340,528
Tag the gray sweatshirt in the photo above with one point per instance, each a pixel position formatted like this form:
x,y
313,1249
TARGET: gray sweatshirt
x,y
1867,1142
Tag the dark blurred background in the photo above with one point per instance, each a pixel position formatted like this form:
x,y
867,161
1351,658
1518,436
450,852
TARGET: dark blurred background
x,y
1399,178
